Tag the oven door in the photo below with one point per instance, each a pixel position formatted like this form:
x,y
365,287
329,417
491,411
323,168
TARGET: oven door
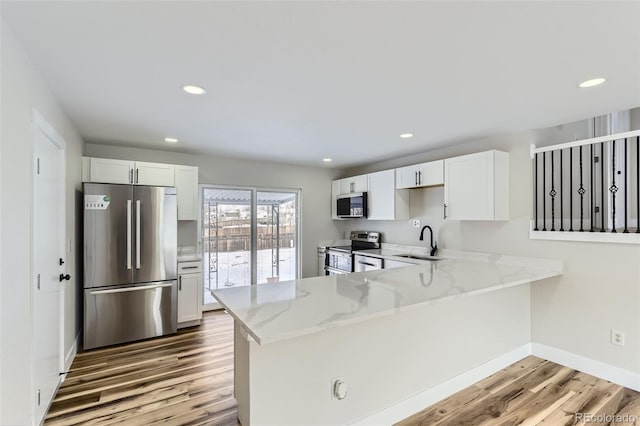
x,y
339,261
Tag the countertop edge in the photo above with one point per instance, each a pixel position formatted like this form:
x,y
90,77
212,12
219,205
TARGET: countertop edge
x,y
316,329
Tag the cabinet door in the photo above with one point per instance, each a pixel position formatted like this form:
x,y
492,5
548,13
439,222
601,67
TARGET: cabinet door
x,y
469,186
381,196
189,305
346,186
407,177
354,184
155,174
431,173
360,183
105,170
186,179
335,191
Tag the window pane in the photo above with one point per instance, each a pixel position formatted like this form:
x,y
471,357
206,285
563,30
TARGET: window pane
x,y
277,222
226,228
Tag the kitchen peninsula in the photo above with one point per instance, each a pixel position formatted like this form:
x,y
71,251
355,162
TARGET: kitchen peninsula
x,y
387,335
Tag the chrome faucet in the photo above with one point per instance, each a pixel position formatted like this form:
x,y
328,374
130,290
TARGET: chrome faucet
x,y
434,245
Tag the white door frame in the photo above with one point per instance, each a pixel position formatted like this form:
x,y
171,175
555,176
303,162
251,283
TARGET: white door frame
x,y
39,123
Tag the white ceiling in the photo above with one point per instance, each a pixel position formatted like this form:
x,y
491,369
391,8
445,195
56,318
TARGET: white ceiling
x,y
299,81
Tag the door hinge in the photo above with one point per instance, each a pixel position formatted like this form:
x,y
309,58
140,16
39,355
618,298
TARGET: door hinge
x,y
38,281
38,396
596,159
597,209
37,166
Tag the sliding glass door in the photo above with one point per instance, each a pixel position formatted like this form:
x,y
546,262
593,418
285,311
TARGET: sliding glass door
x,y
249,236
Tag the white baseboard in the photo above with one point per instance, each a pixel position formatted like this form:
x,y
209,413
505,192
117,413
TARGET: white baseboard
x,y
420,401
619,376
71,354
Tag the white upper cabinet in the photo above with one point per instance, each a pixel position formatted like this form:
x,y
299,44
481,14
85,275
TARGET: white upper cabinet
x,y
156,174
354,184
419,175
476,186
335,191
104,170
186,179
383,200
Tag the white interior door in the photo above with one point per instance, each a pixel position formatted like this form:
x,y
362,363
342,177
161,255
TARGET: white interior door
x,y
48,249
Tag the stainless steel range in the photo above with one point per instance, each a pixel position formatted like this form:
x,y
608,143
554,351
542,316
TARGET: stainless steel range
x,y
339,260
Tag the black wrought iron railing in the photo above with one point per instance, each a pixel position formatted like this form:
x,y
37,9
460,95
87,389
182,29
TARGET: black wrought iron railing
x,y
591,185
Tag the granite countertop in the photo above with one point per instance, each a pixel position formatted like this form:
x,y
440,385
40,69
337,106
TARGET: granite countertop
x,y
286,310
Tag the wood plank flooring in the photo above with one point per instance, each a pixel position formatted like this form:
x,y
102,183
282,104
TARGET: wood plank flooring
x,y
531,392
182,379
187,379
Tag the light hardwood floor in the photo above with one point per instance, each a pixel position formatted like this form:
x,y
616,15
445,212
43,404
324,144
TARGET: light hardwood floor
x,y
187,379
531,392
182,379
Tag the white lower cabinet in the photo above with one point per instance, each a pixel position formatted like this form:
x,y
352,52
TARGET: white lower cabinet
x,y
384,202
476,186
189,292
321,261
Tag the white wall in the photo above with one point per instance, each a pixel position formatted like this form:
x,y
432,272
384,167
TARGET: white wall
x,y
600,288
383,360
22,89
315,183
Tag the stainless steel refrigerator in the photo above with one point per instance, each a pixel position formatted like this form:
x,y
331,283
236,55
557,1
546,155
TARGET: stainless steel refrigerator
x,y
130,263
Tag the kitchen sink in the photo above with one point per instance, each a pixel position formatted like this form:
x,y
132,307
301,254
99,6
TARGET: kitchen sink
x,y
414,256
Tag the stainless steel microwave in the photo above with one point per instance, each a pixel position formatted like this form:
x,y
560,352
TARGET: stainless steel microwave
x,y
351,205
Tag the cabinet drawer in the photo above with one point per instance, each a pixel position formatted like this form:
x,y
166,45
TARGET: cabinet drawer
x,y
190,267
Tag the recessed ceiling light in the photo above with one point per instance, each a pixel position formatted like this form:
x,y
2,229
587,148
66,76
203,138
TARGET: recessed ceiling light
x,y
194,90
171,140
406,135
327,160
592,82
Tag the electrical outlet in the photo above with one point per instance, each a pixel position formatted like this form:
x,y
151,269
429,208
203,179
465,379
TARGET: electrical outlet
x,y
416,223
338,388
617,337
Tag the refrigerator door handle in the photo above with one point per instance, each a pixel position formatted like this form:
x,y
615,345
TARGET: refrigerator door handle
x,y
137,234
123,290
128,234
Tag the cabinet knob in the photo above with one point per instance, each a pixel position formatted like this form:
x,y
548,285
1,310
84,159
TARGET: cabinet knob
x,y
65,277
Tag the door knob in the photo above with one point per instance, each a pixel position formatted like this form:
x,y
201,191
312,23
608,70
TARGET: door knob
x,y
64,277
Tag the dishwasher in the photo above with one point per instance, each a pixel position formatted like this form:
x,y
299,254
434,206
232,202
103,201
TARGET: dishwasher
x,y
366,263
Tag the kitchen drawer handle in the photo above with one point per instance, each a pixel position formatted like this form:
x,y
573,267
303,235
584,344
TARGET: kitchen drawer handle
x,y
367,263
445,211
189,267
123,290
